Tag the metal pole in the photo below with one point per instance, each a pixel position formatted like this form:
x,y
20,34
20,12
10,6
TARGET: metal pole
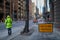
x,y
26,29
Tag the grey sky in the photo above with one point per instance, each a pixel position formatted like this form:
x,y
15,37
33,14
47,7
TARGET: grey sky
x,y
39,3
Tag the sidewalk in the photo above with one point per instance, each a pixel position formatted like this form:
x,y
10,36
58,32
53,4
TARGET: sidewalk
x,y
26,36
39,36
32,35
17,27
15,31
16,34
57,29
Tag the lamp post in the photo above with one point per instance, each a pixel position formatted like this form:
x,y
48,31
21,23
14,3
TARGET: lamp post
x,y
26,29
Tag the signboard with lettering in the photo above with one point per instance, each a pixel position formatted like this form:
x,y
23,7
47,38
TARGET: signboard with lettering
x,y
47,27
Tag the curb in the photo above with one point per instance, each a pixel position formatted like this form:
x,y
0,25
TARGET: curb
x,y
25,34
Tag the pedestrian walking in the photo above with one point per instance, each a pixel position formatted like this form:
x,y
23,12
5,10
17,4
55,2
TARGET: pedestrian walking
x,y
8,23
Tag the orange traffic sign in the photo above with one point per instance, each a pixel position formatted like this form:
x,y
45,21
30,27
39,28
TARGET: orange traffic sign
x,y
47,27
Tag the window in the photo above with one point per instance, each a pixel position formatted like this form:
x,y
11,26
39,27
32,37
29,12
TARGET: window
x,y
19,0
19,3
19,8
55,0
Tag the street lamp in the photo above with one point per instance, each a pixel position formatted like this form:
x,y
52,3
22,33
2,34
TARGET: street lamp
x,y
26,29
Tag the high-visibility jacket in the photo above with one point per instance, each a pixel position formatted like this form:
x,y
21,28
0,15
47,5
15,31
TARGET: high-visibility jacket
x,y
8,22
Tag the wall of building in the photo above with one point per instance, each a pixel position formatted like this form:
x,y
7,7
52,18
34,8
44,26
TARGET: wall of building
x,y
30,9
21,9
6,6
51,3
33,10
57,12
16,9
